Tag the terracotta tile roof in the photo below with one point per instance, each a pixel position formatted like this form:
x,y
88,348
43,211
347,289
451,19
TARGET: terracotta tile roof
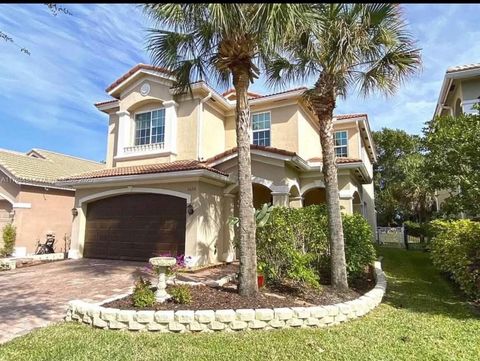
x,y
453,69
182,165
349,116
251,94
43,167
252,147
134,70
282,92
106,102
340,160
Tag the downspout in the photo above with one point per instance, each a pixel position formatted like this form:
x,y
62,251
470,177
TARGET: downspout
x,y
200,125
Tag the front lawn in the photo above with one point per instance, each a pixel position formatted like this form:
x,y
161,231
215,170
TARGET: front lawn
x,y
422,318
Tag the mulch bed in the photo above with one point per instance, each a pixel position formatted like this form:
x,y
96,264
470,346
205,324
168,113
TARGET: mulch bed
x,y
284,295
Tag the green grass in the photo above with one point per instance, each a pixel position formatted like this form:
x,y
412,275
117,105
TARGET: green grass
x,y
422,318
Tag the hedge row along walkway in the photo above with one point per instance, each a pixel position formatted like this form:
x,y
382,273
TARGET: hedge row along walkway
x,y
421,318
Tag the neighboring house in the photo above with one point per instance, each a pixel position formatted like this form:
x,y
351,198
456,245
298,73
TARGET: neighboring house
x,y
171,179
459,92
30,198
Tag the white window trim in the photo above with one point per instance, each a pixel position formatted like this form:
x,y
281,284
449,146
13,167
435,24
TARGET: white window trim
x,y
135,126
340,146
261,130
126,148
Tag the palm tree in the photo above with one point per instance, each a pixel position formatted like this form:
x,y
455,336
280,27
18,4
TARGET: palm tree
x,y
227,43
345,46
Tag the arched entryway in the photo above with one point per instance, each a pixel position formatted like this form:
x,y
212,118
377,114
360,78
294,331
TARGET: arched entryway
x,y
135,226
261,195
357,204
314,196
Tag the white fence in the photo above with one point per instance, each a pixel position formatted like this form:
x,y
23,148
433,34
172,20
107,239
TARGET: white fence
x,y
391,236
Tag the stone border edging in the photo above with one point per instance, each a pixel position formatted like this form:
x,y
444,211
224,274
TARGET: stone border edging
x,y
11,262
228,320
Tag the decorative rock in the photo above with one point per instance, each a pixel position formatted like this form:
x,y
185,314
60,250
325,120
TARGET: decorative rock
x,y
185,316
326,320
312,322
277,323
294,322
144,316
126,315
153,326
238,325
332,310
116,325
256,324
205,316
87,319
109,314
318,312
340,318
284,313
135,326
216,326
164,316
196,326
264,314
98,322
225,315
176,327
93,311
245,314
301,312
344,308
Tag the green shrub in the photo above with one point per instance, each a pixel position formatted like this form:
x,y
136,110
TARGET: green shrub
x,y
359,249
455,249
422,230
294,244
9,234
143,296
181,294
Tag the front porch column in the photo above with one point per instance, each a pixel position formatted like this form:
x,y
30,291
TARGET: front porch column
x,y
228,246
281,199
296,202
124,132
78,233
346,205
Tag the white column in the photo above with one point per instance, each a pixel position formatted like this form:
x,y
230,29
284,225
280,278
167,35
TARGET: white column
x,y
171,125
281,199
124,131
228,249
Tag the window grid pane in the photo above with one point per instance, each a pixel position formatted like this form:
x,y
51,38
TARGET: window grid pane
x,y
142,129
340,140
158,126
261,129
150,127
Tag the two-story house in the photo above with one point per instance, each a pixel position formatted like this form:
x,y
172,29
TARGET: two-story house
x,y
460,91
171,179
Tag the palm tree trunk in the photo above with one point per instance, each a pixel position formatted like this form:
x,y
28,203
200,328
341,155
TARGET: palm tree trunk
x,y
323,102
248,249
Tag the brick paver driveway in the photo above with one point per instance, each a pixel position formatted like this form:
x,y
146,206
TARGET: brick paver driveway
x,y
37,296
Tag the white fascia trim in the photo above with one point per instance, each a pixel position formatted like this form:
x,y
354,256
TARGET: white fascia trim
x,y
357,165
22,205
370,139
215,95
277,97
142,177
107,106
348,120
8,198
127,190
446,84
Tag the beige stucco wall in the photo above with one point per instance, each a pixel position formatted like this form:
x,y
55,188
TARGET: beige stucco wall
x,y
213,132
471,88
111,139
50,212
308,137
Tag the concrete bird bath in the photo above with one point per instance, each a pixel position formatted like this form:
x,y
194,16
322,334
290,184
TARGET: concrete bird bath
x,y
162,263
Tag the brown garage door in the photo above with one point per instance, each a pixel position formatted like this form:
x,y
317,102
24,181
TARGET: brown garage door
x,y
135,227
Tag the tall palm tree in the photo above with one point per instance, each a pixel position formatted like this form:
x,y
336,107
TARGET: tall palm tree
x,y
345,47
227,43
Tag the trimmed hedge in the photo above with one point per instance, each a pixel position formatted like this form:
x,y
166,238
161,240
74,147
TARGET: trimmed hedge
x,y
455,249
294,244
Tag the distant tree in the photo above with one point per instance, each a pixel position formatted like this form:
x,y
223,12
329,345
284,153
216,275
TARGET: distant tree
x,y
453,161
54,9
402,192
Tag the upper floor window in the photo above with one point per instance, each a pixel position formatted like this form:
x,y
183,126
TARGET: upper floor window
x,y
261,128
340,140
150,127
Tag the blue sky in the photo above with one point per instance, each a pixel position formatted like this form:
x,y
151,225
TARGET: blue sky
x,y
46,99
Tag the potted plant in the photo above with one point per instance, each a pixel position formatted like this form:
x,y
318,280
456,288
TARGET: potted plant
x,y
260,275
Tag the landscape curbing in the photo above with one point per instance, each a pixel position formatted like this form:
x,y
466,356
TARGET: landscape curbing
x,y
228,320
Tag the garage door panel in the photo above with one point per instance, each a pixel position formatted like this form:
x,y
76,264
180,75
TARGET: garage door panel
x,y
135,226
